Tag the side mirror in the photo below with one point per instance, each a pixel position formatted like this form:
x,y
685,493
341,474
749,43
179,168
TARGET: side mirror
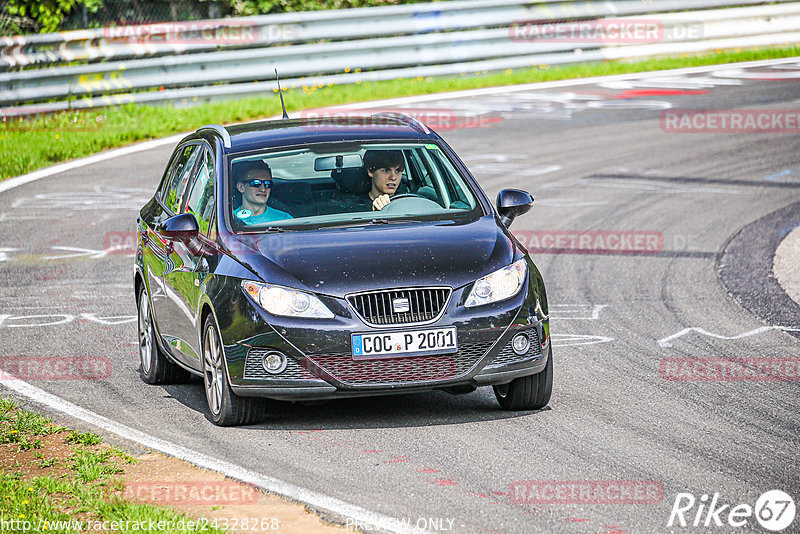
x,y
182,227
512,203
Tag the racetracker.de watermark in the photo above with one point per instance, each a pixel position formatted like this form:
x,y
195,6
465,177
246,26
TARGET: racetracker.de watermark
x,y
591,241
208,32
731,121
435,118
189,493
586,492
730,369
183,524
124,242
55,368
604,31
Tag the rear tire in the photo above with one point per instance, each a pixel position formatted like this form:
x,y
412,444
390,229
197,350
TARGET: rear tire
x,y
156,368
227,408
528,392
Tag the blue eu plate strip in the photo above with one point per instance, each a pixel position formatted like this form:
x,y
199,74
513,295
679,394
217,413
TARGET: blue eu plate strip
x,y
358,347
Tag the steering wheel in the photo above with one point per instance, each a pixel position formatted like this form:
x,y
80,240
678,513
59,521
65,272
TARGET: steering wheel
x,y
404,195
420,203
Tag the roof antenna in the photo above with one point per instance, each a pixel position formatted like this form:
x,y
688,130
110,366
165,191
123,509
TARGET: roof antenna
x,y
285,115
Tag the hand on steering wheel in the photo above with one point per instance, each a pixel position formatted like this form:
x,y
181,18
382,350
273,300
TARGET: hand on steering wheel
x,y
380,202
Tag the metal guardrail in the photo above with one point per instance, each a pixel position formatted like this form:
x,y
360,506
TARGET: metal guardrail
x,y
293,28
334,47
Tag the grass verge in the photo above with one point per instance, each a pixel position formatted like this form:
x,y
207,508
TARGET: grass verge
x,y
32,143
56,480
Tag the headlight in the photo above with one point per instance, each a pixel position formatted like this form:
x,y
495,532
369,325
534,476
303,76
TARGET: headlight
x,y
279,300
499,285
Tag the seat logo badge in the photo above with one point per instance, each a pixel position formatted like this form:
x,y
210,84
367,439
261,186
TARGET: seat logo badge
x,y
400,305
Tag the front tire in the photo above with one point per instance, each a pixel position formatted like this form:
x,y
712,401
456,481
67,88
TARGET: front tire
x,y
528,392
156,368
227,409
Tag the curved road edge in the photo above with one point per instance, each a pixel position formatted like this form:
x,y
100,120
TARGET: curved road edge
x,y
786,264
746,267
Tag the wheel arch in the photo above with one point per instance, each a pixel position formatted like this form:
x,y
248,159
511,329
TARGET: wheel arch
x,y
138,283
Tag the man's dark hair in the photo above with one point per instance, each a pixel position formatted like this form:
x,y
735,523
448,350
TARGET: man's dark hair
x,y
383,159
243,168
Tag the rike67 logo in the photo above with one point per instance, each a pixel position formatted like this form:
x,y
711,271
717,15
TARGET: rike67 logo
x,y
774,511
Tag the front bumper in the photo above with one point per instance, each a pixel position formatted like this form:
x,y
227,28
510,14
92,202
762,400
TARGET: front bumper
x,y
320,364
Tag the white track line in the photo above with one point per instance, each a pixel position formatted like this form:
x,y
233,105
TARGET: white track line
x,y
315,500
568,83
667,341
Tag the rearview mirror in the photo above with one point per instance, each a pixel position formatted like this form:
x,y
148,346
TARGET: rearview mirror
x,y
511,203
328,163
181,227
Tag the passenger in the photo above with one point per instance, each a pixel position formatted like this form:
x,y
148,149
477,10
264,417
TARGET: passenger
x,y
255,185
385,169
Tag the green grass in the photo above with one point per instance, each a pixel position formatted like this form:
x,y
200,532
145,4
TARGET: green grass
x,y
86,438
23,428
84,490
29,144
90,465
48,504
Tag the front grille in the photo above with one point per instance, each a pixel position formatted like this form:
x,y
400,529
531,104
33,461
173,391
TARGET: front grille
x,y
507,356
254,370
380,307
440,367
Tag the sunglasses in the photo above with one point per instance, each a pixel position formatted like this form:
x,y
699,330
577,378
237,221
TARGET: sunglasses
x,y
257,183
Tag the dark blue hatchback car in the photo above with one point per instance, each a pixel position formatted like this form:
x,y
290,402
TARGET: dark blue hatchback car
x,y
305,260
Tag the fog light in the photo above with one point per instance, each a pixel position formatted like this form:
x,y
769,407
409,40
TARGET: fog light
x,y
274,363
520,344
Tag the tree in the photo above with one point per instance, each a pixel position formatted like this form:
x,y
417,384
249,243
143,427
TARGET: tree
x,y
45,16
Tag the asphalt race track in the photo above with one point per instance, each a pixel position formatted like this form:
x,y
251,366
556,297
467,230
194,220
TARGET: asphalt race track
x,y
600,159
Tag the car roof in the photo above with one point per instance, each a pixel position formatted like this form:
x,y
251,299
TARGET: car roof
x,y
289,132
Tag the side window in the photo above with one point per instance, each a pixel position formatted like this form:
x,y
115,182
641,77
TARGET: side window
x,y
166,178
179,177
419,167
453,185
201,197
431,183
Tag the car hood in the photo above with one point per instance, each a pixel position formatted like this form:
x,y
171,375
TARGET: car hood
x,y
339,261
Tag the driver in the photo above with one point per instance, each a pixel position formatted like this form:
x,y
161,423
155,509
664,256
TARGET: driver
x,y
254,182
385,169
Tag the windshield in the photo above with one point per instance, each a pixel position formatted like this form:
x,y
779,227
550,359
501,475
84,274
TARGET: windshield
x,y
338,184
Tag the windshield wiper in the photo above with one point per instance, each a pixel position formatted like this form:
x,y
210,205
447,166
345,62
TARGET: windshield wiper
x,y
273,230
365,222
396,220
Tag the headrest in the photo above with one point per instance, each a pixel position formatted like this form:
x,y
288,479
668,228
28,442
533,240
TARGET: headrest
x,y
352,180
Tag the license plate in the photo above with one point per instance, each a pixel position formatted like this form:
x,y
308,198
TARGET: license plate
x,y
409,343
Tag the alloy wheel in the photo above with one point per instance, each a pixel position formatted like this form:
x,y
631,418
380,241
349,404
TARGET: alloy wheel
x,y
212,369
145,333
